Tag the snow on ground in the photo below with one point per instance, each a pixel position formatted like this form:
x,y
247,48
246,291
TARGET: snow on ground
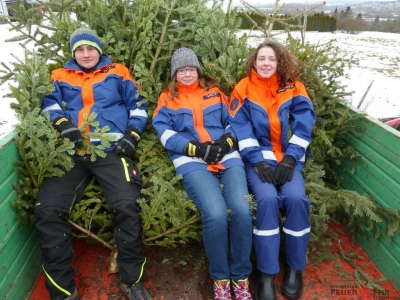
x,y
377,52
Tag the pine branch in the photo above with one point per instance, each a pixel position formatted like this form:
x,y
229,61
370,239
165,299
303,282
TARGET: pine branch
x,y
189,222
359,274
88,233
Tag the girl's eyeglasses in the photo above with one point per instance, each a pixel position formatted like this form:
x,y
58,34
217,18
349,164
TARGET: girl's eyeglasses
x,y
183,71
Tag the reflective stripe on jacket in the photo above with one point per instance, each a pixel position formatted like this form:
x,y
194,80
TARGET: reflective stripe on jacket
x,y
197,114
261,113
109,91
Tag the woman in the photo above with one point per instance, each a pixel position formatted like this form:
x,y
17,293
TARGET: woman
x,y
265,107
191,120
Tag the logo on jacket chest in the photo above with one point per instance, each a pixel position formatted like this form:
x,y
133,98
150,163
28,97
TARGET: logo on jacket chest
x,y
285,88
108,69
208,96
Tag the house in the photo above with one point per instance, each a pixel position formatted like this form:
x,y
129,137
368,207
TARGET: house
x,y
3,9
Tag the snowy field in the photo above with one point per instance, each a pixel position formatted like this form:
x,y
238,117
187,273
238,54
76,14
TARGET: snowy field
x,y
377,52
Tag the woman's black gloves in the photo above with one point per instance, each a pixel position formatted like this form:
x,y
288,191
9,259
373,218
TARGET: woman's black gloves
x,y
265,172
284,170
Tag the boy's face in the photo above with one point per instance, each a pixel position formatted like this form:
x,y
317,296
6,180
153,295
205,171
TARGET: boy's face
x,y
87,56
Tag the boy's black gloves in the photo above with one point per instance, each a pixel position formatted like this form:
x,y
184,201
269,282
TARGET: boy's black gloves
x,y
211,154
265,172
68,130
127,144
284,170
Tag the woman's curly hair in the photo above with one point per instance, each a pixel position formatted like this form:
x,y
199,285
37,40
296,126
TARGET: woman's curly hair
x,y
287,69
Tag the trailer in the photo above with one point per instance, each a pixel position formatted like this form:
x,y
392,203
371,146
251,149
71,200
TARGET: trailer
x,y
182,273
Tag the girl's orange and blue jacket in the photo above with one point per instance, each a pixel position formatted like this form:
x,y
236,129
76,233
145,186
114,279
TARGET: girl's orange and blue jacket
x,y
109,91
261,113
196,114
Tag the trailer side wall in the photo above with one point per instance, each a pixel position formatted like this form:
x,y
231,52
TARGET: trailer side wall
x,y
379,176
19,251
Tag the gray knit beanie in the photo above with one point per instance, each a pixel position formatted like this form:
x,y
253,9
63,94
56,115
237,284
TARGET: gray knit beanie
x,y
184,57
85,36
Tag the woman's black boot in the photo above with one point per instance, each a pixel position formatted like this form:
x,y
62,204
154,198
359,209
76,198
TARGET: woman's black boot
x,y
292,285
266,287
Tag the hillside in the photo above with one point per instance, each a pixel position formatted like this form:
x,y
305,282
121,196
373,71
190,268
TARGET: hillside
x,y
383,9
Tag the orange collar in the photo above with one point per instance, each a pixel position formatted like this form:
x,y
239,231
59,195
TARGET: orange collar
x,y
188,88
261,82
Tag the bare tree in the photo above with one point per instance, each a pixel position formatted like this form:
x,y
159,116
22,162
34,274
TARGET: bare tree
x,y
276,18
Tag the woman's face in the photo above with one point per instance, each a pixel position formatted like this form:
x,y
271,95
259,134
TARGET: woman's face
x,y
266,62
87,56
187,75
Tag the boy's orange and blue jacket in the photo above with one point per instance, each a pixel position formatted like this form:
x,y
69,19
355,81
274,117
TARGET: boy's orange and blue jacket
x,y
109,91
260,114
196,114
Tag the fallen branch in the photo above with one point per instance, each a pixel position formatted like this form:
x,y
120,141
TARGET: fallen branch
x,y
192,220
91,235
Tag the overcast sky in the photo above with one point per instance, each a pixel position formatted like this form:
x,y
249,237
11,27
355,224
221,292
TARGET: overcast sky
x,y
261,2
256,3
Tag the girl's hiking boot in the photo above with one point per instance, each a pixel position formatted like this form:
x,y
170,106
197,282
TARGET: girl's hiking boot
x,y
241,289
222,290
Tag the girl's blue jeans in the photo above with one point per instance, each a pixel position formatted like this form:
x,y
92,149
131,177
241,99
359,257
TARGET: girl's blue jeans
x,y
226,220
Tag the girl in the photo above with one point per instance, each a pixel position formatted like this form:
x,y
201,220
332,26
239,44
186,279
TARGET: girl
x,y
191,121
263,105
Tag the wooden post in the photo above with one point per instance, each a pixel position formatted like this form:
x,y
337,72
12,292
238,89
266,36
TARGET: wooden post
x,y
365,95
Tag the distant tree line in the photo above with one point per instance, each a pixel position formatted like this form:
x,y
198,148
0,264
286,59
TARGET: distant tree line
x,y
344,20
348,21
